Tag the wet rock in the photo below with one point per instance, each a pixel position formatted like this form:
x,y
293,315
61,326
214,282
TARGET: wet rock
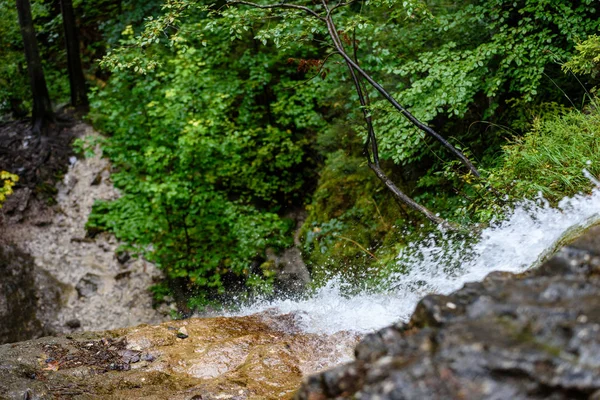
x,y
29,297
123,275
97,179
222,358
69,183
15,205
18,296
534,335
88,285
43,218
590,242
73,323
123,257
182,333
292,275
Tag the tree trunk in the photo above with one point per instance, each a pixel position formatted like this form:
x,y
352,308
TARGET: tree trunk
x,y
42,108
76,79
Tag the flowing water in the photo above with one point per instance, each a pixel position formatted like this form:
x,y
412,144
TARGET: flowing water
x,y
442,264
105,293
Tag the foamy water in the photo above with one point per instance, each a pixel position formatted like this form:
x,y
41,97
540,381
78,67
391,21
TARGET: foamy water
x,y
442,264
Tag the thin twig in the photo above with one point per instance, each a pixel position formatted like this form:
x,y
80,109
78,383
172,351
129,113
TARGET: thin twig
x,y
340,4
357,244
387,226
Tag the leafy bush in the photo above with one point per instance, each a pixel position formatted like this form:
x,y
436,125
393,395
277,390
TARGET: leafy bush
x,y
484,60
562,147
209,151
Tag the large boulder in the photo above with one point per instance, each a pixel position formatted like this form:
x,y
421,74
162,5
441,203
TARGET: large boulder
x,y
534,335
29,297
18,296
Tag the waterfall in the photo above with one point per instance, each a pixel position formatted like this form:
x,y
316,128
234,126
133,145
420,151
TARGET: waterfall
x,y
441,264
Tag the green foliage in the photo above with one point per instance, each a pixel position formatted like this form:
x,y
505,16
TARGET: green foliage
x,y
587,59
470,62
222,118
452,67
550,158
101,23
87,145
215,133
209,149
557,155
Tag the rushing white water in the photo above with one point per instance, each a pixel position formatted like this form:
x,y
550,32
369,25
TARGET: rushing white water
x,y
442,264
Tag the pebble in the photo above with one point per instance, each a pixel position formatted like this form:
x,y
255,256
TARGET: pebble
x,y
182,333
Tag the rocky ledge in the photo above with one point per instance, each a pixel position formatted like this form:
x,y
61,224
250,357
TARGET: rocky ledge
x,y
255,357
534,335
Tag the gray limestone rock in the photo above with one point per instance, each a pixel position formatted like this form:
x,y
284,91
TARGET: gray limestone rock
x,y
534,335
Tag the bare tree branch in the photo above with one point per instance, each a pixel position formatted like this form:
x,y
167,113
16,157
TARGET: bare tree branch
x,y
399,195
371,140
333,32
281,5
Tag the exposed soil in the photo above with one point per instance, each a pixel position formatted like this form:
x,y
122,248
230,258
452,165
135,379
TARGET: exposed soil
x,y
38,161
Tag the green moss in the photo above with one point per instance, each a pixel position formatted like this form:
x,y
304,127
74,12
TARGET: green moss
x,y
352,225
524,335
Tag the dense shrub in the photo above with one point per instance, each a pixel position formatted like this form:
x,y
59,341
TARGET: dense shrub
x,y
216,128
210,150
